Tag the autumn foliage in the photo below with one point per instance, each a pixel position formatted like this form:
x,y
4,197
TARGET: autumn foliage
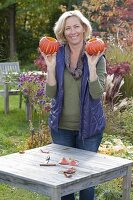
x,y
110,17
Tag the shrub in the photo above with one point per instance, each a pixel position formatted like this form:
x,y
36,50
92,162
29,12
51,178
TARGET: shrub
x,y
116,56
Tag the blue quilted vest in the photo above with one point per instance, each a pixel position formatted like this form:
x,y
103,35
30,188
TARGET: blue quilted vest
x,y
92,119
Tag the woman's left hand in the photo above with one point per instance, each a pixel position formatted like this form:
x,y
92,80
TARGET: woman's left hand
x,y
92,60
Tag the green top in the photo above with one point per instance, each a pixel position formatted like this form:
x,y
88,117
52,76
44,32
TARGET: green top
x,y
70,116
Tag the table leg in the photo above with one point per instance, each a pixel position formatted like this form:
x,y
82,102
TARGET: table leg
x,y
56,194
127,184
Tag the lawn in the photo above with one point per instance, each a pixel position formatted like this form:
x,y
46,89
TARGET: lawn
x,y
14,132
13,126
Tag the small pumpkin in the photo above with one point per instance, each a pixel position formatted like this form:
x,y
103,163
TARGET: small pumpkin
x,y
48,45
94,45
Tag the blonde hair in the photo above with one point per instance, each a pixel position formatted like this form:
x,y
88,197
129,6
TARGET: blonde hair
x,y
60,25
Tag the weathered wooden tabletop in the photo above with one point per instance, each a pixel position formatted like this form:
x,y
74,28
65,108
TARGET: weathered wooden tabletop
x,y
24,170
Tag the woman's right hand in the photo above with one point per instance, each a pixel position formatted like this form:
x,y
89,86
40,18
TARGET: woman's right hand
x,y
50,61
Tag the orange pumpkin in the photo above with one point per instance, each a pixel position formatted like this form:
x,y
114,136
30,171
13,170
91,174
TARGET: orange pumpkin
x,y
48,45
94,45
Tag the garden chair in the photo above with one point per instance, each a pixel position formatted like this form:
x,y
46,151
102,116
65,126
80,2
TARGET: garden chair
x,y
7,68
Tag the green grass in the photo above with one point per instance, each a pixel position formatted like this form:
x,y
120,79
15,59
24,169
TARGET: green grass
x,y
14,130
13,126
13,193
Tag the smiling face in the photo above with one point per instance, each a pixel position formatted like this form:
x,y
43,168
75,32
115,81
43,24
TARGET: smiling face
x,y
74,31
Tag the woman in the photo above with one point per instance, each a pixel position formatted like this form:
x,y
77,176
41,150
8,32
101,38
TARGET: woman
x,y
75,83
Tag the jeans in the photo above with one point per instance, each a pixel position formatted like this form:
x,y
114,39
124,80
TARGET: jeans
x,y
71,139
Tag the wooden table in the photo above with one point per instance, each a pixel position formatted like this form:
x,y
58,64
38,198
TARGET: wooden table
x,y
24,170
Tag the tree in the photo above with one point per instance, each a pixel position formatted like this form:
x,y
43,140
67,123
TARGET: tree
x,y
9,7
27,18
32,22
106,16
12,34
4,46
